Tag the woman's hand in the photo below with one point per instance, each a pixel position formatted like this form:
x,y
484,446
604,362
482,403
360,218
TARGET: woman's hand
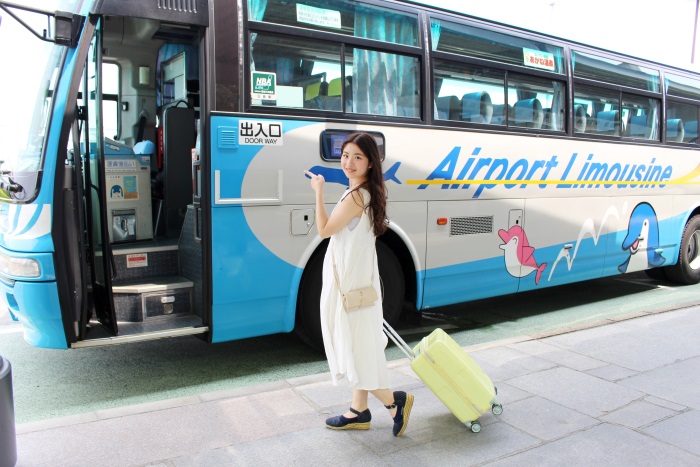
x,y
317,181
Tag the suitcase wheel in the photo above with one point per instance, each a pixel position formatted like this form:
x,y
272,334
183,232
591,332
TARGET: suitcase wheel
x,y
497,409
474,426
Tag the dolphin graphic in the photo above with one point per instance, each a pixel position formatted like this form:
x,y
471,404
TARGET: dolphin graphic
x,y
332,175
518,254
642,236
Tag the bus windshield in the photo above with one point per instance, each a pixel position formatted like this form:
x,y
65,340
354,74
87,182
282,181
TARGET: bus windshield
x,y
26,92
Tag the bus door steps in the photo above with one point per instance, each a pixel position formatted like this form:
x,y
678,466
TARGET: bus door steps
x,y
139,301
143,261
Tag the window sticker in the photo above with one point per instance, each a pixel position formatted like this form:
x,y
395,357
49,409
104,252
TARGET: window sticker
x,y
264,86
318,16
538,59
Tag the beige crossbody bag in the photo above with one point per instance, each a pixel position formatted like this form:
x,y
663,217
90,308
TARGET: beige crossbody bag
x,y
358,298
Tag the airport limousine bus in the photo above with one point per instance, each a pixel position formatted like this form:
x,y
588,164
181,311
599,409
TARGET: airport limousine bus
x,y
153,177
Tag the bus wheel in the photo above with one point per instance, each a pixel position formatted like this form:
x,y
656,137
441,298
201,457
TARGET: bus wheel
x,y
392,283
308,319
687,270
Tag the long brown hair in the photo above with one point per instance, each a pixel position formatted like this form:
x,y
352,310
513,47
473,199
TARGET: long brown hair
x,y
375,180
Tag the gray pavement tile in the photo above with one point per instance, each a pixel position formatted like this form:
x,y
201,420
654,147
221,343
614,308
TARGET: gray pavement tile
x,y
296,448
638,414
640,344
545,419
681,430
508,394
602,445
466,448
612,372
533,347
502,363
150,437
665,403
676,383
569,359
578,391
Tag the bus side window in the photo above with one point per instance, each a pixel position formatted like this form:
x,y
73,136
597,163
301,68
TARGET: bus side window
x,y
681,122
603,107
482,90
393,91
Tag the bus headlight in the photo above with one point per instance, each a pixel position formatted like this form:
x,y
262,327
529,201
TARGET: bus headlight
x,y
19,267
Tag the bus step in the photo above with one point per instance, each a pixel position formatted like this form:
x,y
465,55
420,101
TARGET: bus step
x,y
155,298
145,261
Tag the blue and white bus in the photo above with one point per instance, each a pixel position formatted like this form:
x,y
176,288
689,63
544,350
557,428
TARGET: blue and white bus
x,y
155,186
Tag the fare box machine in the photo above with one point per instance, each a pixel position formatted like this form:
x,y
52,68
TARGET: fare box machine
x,y
128,186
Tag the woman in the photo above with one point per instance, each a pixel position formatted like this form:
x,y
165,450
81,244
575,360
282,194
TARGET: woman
x,y
354,341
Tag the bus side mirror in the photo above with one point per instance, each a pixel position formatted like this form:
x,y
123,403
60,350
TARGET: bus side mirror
x,y
67,28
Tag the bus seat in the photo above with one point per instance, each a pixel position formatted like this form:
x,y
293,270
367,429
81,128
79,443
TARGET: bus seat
x,y
500,113
608,122
637,127
675,131
477,107
528,113
691,131
312,90
334,98
580,118
448,107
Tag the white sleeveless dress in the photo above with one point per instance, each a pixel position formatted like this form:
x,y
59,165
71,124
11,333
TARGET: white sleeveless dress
x,y
354,341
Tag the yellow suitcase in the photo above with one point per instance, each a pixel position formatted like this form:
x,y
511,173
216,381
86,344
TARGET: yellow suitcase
x,y
453,376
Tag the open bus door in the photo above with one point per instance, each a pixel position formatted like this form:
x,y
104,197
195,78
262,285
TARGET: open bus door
x,y
99,251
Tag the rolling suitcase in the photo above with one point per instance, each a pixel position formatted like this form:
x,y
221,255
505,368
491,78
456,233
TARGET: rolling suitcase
x,y
453,376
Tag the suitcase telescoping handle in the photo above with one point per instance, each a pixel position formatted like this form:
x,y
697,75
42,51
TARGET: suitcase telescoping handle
x,y
400,343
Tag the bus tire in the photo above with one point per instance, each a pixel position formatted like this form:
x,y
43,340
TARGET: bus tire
x,y
393,286
308,318
687,269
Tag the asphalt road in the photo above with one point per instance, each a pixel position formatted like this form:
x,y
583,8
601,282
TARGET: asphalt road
x,y
52,383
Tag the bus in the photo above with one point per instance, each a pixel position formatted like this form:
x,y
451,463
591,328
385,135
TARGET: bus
x,y
153,178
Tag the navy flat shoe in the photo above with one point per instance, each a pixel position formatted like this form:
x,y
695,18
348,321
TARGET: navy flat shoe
x,y
403,403
361,422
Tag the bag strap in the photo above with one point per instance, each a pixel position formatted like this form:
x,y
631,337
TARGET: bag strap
x,y
400,343
335,269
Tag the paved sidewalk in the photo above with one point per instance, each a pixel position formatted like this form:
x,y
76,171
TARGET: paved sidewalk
x,y
624,393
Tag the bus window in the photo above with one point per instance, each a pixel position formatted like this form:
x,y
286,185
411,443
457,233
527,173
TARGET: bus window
x,y
614,71
680,86
469,94
303,69
482,43
537,102
343,17
681,123
381,83
602,108
110,100
640,117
